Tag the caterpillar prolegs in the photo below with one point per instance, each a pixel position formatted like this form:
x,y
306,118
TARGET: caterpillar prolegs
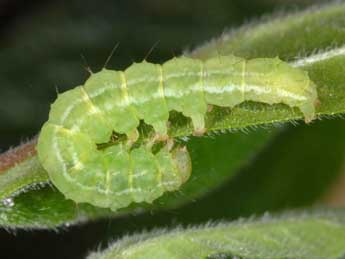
x,y
116,101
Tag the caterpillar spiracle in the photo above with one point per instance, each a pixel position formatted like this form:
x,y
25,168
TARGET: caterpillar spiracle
x,y
115,101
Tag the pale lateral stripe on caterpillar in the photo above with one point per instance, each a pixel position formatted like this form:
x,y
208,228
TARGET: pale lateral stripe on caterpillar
x,y
116,101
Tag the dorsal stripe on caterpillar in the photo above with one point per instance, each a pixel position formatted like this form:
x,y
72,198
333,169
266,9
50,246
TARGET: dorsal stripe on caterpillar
x,y
115,101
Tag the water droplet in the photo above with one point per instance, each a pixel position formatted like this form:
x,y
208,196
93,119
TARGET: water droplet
x,y
8,202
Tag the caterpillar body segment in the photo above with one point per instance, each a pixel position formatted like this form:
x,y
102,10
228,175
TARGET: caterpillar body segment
x,y
184,91
112,177
116,101
146,93
108,91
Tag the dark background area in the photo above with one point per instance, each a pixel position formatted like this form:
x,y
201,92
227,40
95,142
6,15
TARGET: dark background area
x,y
40,53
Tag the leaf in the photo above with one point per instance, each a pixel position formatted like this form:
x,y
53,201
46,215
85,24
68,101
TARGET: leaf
x,y
295,170
290,36
326,72
45,207
23,170
317,235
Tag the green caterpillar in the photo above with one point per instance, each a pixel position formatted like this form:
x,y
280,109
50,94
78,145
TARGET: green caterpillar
x,y
116,101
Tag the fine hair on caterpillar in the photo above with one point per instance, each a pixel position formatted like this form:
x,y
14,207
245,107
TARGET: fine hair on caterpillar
x,y
111,104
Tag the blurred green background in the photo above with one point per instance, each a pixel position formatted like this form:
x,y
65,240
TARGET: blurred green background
x,y
41,47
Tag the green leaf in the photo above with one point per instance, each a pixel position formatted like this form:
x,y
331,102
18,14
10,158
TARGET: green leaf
x,y
295,170
26,174
289,37
317,235
45,207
